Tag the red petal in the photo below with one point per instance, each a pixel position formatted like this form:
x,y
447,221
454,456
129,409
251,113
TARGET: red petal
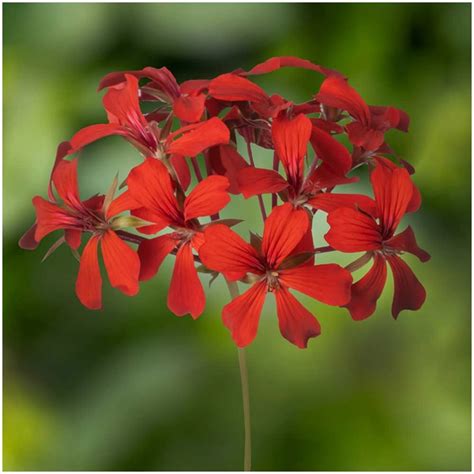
x,y
329,202
253,181
122,203
150,185
208,197
181,168
393,190
225,251
408,291
284,229
296,323
242,314
186,294
406,242
328,283
278,62
90,134
336,92
65,182
73,238
89,281
365,137
162,79
27,240
415,201
189,108
51,217
152,253
150,216
323,178
122,104
367,290
352,231
206,134
121,262
226,160
231,87
64,149
389,117
336,158
194,86
290,139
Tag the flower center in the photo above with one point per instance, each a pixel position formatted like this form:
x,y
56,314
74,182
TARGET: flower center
x,y
272,280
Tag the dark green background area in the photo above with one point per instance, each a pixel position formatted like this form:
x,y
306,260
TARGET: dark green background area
x,y
133,387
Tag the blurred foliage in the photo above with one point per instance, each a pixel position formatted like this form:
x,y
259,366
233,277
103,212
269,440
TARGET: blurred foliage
x,y
135,388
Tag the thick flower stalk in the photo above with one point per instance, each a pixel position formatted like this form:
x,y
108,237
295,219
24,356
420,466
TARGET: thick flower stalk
x,y
163,210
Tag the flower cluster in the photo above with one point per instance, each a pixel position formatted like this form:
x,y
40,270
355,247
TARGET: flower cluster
x,y
156,213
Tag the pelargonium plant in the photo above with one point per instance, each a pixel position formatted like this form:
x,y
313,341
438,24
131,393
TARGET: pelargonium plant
x,y
156,212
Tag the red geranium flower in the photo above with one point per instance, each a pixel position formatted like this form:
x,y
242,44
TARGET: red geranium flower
x,y
367,131
96,216
126,119
291,137
162,204
273,266
352,230
187,100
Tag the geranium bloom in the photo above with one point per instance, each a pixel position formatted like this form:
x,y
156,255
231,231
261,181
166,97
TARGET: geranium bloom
x,y
95,216
186,100
162,204
352,230
291,137
126,119
273,266
370,123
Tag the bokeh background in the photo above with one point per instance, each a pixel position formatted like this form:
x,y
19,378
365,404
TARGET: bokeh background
x,y
135,388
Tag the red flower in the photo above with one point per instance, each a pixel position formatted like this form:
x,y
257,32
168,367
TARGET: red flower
x,y
151,186
354,231
291,138
97,217
126,119
370,123
186,100
273,266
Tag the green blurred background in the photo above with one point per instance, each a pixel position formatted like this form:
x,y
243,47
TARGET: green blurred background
x,y
135,388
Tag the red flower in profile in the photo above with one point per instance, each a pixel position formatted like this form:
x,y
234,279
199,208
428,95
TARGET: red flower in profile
x,y
162,204
370,123
274,265
291,137
187,101
352,230
126,119
96,216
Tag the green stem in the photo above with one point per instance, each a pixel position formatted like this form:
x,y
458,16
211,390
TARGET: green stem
x,y
244,379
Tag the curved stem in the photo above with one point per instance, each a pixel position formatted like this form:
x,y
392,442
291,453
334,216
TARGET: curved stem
x,y
244,379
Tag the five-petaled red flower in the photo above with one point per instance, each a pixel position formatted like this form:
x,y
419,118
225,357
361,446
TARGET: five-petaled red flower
x,y
165,205
273,266
353,230
95,216
291,137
